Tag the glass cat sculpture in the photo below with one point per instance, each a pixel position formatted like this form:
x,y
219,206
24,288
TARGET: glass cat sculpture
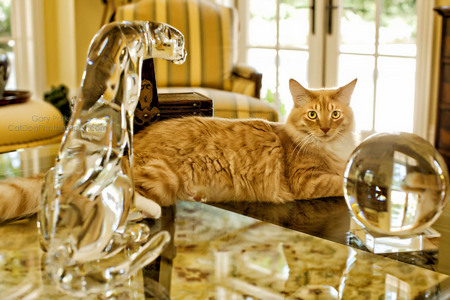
x,y
396,186
90,243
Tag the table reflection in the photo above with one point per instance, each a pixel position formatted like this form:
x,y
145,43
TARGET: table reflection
x,y
27,162
327,218
226,254
219,252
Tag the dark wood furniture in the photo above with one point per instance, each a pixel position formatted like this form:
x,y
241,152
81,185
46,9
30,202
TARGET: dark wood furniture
x,y
153,107
442,139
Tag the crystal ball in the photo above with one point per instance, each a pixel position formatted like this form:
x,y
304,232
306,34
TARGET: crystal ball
x,y
395,184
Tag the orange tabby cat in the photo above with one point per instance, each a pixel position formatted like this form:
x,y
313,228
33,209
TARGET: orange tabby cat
x,y
217,160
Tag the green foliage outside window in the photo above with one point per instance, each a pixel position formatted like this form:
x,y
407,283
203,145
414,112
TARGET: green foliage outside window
x,y
406,10
270,97
5,23
390,9
10,165
5,18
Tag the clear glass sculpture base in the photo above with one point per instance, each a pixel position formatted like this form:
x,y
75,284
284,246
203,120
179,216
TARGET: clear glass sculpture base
x,y
381,244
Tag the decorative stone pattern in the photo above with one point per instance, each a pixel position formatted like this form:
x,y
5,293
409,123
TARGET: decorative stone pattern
x,y
21,267
223,255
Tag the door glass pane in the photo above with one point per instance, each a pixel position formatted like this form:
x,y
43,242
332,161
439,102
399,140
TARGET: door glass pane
x,y
6,42
264,61
262,25
358,26
293,64
362,68
395,94
5,18
294,23
398,24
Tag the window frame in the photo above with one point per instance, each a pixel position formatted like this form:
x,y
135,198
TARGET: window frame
x,y
422,98
27,32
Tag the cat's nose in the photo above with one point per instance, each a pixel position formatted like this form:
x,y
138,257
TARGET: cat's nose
x,y
325,129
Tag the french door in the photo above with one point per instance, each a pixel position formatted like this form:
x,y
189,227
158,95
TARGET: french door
x,y
327,43
21,38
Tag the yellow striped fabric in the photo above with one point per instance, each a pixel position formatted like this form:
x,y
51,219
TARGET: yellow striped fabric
x,y
243,86
231,105
210,31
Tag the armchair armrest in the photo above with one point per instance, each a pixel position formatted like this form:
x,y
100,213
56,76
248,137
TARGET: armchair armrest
x,y
246,80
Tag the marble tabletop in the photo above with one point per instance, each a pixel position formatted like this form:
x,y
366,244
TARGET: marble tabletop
x,y
224,255
291,252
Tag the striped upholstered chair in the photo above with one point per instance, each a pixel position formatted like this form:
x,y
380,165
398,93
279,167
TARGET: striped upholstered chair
x,y
210,32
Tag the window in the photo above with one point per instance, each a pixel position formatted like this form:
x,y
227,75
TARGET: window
x,y
327,43
22,36
6,40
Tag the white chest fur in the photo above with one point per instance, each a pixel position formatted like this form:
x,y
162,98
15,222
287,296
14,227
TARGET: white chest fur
x,y
341,148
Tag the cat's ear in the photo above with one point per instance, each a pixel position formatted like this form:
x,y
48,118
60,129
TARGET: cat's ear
x,y
345,92
298,92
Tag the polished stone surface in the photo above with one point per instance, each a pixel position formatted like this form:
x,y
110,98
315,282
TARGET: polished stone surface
x,y
329,218
219,254
21,267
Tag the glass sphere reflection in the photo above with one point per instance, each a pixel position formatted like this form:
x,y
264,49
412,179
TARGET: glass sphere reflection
x,y
395,184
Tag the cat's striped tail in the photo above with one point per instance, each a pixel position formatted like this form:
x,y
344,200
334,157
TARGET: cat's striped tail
x,y
19,197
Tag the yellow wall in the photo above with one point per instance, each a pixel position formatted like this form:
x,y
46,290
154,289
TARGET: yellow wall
x,y
88,15
69,27
51,41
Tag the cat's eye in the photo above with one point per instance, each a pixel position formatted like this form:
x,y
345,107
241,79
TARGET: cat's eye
x,y
336,114
312,114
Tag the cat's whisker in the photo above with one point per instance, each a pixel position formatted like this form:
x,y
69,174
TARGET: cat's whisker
x,y
299,146
308,140
341,134
293,151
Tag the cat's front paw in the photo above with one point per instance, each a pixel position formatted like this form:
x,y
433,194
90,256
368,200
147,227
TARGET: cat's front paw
x,y
148,207
197,197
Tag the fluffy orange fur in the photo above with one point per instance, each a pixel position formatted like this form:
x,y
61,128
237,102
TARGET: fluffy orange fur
x,y
210,159
19,197
218,160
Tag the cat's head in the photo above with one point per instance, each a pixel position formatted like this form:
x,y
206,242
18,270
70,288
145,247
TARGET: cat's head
x,y
321,114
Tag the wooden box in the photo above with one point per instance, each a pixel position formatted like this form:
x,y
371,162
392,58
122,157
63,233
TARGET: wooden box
x,y
153,107
174,105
